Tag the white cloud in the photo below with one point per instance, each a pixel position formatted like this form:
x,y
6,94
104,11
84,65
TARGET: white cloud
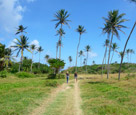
x,y
92,55
35,42
10,14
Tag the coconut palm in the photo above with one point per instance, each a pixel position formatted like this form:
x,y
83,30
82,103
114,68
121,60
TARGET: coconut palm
x,y
106,44
128,52
126,43
121,54
112,26
84,62
87,49
39,50
114,48
81,54
33,48
70,60
47,57
21,29
20,46
61,18
61,33
80,30
131,52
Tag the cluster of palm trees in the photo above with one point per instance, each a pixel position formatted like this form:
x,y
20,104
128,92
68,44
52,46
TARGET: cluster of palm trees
x,y
22,44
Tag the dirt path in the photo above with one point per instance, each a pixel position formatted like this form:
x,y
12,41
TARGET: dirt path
x,y
65,100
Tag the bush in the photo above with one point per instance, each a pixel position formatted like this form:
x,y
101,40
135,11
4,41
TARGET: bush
x,y
24,75
51,76
60,76
3,74
36,71
51,83
127,77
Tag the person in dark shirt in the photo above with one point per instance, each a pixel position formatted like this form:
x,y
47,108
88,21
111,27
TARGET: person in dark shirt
x,y
75,76
67,76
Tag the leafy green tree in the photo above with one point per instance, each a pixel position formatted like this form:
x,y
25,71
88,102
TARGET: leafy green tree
x,y
112,25
126,44
87,49
2,54
81,54
80,30
56,64
70,60
114,48
39,50
20,46
33,48
27,64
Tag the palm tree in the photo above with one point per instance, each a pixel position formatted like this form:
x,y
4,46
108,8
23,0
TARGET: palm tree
x,y
60,32
128,52
20,46
114,48
21,29
126,44
81,53
106,44
33,48
131,52
111,27
80,30
87,49
121,54
47,57
93,62
84,62
70,60
39,50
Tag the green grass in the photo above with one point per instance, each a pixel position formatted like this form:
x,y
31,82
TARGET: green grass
x,y
108,97
20,96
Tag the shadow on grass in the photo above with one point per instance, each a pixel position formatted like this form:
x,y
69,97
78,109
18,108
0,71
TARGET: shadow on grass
x,y
97,82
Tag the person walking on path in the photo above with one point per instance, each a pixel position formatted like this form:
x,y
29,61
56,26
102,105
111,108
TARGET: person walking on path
x,y
67,76
75,75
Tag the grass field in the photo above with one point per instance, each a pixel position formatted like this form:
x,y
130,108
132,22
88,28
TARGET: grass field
x,y
20,96
108,97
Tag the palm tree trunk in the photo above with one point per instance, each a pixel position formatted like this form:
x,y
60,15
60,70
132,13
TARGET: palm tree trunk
x,y
125,49
104,59
56,51
86,62
108,66
60,52
112,56
77,51
32,63
39,61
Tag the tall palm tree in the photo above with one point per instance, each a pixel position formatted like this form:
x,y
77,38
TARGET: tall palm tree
x,y
84,62
62,19
70,60
131,52
128,52
21,29
106,44
80,30
121,54
114,48
20,46
126,44
111,27
87,49
81,54
61,33
33,48
39,50
47,57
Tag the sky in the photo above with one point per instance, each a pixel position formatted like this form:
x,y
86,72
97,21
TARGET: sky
x,y
37,16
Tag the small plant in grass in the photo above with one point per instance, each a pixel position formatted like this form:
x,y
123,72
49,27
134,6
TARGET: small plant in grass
x,y
3,74
51,83
51,76
24,75
61,76
129,76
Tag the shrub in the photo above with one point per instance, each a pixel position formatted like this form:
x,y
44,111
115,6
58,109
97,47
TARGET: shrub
x,y
51,83
51,76
3,74
129,76
36,71
24,75
60,76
